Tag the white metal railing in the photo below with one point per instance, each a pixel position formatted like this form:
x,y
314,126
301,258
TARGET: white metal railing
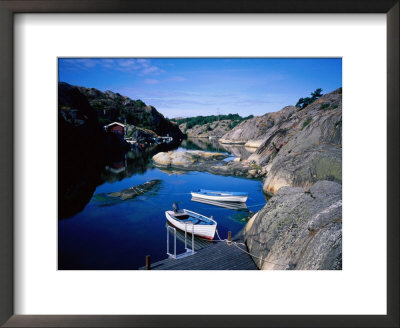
x,y
188,251
174,230
186,224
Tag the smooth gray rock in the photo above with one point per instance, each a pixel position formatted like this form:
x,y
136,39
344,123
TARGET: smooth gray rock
x,y
190,159
299,229
214,129
256,129
304,147
304,168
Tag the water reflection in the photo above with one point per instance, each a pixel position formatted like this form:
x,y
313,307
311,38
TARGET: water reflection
x,y
206,144
238,151
111,234
79,177
214,146
118,166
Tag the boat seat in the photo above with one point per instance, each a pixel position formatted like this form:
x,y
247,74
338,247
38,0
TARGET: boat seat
x,y
182,216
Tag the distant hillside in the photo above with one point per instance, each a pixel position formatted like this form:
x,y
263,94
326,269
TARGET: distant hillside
x,y
212,125
111,107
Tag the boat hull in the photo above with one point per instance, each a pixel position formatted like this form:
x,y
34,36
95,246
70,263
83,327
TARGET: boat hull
x,y
228,198
203,231
240,206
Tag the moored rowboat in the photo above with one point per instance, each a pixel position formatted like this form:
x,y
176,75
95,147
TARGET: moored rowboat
x,y
199,224
222,196
229,205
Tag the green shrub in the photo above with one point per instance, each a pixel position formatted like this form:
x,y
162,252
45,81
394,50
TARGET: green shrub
x,y
189,125
303,102
306,122
324,106
104,121
140,103
129,134
335,106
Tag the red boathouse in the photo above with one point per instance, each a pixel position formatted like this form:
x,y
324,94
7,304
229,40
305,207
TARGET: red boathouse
x,y
115,127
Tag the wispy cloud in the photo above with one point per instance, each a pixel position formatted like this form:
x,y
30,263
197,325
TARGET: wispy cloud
x,y
176,79
169,80
151,81
143,61
209,100
151,70
140,66
128,63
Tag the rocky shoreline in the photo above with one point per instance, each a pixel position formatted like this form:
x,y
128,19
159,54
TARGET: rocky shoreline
x,y
298,149
196,160
299,228
192,160
298,156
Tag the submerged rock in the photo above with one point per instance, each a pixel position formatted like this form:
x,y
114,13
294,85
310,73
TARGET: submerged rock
x,y
135,191
299,229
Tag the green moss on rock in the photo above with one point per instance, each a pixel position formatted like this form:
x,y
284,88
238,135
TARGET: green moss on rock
x,y
328,169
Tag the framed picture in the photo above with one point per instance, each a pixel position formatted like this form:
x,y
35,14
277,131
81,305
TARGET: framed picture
x,y
67,202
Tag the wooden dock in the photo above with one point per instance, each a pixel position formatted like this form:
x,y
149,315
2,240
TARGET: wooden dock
x,y
219,256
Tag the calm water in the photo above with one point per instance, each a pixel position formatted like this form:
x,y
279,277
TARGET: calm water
x,y
114,234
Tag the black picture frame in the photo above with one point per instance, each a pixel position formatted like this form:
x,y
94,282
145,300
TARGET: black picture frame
x,y
10,7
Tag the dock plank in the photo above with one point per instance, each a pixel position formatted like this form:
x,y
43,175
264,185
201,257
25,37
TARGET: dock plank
x,y
219,256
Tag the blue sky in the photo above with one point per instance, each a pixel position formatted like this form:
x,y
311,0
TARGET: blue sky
x,y
200,86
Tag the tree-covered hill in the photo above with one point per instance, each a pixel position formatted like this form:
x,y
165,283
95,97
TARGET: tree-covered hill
x,y
201,120
212,125
113,107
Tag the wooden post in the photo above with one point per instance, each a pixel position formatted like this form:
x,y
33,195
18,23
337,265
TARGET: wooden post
x,y
147,262
229,235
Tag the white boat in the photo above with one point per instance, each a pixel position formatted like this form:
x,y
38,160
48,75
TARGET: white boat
x,y
229,205
221,196
193,222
